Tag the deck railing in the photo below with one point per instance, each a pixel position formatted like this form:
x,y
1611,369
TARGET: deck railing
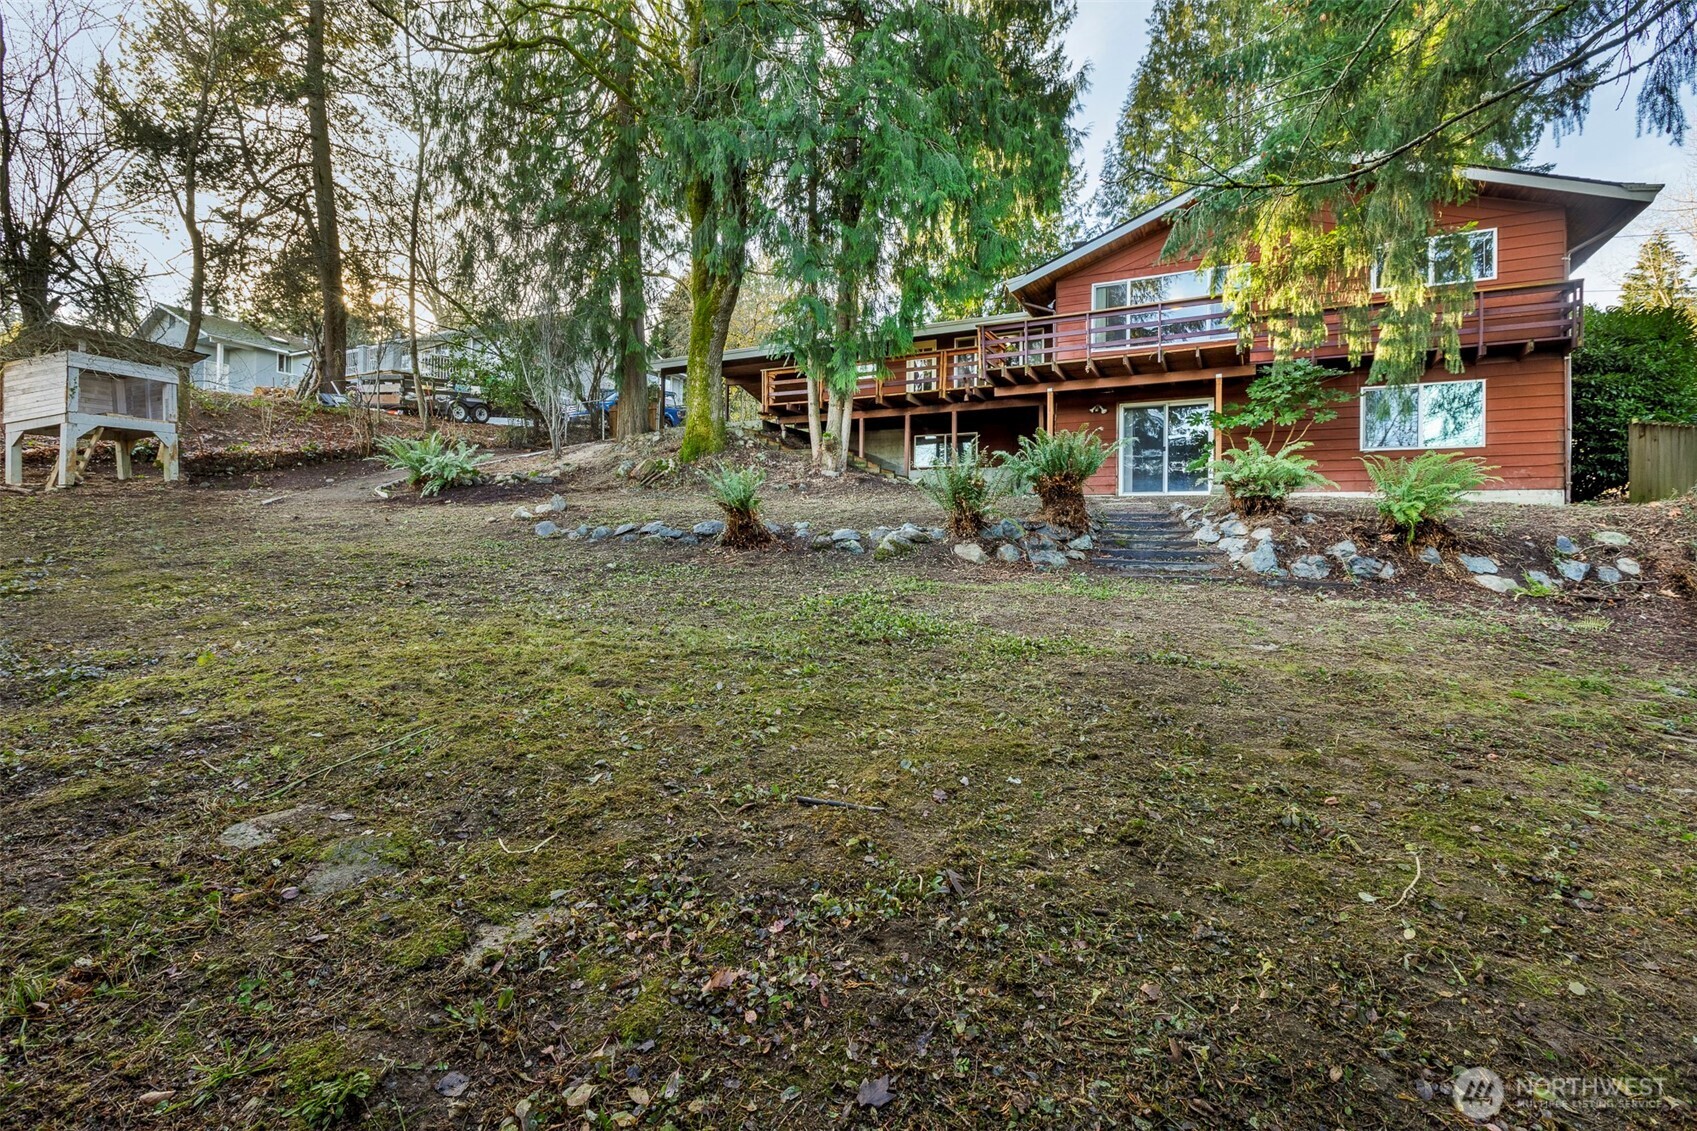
x,y
1068,346
1541,312
938,374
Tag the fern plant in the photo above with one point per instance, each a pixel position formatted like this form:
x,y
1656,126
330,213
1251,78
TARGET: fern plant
x,y
737,493
432,463
1056,465
1417,495
1257,481
965,488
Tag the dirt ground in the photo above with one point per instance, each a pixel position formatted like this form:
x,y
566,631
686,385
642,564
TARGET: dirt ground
x,y
318,808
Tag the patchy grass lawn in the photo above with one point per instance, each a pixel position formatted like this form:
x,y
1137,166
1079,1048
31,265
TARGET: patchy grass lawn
x,y
313,812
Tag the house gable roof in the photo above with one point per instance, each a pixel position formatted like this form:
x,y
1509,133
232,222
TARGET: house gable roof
x,y
1596,211
231,332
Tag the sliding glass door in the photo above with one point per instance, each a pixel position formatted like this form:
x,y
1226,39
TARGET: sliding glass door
x,y
1160,442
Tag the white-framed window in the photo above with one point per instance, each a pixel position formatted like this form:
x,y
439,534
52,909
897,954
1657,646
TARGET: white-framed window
x,y
932,450
1431,414
1450,255
1169,287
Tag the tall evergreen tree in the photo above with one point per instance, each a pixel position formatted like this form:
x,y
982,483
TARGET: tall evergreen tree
x,y
931,140
1176,101
1661,279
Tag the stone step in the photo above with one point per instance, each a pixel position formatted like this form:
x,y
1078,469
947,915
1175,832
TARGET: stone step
x,y
1188,569
1140,553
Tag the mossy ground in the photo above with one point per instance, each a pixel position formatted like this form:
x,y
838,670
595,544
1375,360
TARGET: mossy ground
x,y
1147,854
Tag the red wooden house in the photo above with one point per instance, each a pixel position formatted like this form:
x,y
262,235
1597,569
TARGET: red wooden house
x,y
1115,338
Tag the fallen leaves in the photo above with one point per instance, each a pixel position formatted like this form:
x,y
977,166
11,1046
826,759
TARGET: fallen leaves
x,y
874,1093
722,979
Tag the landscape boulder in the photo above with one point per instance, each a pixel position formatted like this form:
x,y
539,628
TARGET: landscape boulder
x,y
971,552
892,545
1496,583
547,530
1476,563
711,528
1008,552
1573,569
1311,567
1048,559
1262,559
1611,538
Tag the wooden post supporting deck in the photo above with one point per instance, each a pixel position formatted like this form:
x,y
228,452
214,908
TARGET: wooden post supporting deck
x,y
954,431
907,443
861,424
1049,412
1219,406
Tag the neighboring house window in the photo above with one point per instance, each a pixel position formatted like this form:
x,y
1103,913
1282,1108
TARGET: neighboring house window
x,y
283,363
933,450
1433,414
1448,258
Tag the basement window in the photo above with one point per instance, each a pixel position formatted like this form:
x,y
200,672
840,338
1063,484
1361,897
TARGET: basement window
x,y
933,450
1432,414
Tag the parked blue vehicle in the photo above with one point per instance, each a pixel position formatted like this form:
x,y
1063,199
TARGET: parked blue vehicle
x,y
674,410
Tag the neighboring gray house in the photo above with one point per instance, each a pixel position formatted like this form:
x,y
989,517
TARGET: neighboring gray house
x,y
240,358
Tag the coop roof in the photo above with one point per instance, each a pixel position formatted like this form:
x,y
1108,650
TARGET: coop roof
x,y
53,337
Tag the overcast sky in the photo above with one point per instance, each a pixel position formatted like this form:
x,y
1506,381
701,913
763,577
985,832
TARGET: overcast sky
x,y
1111,35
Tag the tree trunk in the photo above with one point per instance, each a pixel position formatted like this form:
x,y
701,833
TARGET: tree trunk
x,y
328,247
627,191
413,225
713,290
815,429
845,385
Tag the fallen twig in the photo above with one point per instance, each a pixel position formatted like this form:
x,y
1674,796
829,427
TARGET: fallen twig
x,y
532,851
281,790
838,804
1409,890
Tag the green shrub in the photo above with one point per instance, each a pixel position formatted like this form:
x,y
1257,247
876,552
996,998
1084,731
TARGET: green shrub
x,y
737,493
1056,466
1634,365
432,463
962,487
1257,481
1416,495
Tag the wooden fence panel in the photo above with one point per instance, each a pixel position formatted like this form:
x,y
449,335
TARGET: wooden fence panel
x,y
1661,460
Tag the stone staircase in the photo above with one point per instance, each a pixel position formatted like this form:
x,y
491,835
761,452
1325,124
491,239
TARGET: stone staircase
x,y
1151,540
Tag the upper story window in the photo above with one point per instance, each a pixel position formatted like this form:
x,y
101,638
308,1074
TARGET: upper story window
x,y
1189,291
1450,256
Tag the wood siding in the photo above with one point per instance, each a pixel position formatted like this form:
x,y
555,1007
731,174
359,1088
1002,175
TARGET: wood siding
x,y
1525,423
1531,248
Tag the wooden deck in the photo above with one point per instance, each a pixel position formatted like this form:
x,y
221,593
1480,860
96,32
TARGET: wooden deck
x,y
1155,342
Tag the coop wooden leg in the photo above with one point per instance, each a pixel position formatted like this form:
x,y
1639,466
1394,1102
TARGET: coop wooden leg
x,y
15,460
65,469
121,446
168,460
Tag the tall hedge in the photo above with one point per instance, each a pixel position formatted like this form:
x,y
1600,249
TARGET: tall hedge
x,y
1635,365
